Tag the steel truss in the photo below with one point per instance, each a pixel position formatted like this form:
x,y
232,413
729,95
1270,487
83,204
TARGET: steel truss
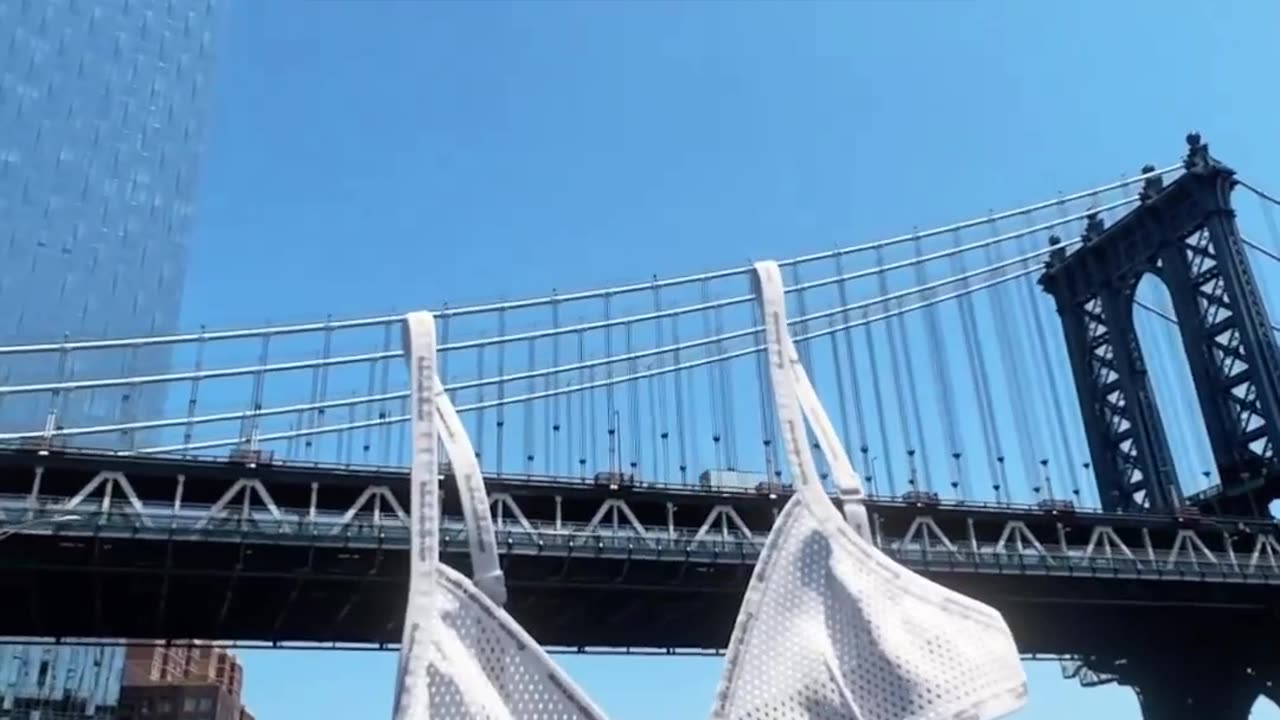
x,y
570,518
1184,233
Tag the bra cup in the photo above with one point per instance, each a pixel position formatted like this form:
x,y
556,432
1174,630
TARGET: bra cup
x,y
464,657
832,629
484,666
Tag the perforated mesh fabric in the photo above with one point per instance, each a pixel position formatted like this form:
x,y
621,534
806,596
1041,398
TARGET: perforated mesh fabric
x,y
834,630
463,657
831,628
484,665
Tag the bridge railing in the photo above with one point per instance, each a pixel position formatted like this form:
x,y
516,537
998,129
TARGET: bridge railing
x,y
1190,556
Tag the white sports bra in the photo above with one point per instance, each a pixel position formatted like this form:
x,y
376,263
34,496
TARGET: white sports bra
x,y
830,627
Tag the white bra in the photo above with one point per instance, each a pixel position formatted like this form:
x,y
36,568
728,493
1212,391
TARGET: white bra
x,y
830,628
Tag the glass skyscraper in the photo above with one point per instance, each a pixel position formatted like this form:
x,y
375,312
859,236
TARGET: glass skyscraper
x,y
102,112
60,682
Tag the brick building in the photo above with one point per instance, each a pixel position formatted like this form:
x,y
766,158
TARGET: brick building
x,y
191,682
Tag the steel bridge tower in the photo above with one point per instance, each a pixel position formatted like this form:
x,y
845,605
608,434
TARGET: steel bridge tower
x,y
1184,233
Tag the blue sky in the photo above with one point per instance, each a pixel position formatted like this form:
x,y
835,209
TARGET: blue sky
x,y
376,156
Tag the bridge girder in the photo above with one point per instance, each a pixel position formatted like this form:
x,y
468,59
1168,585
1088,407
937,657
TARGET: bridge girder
x,y
310,555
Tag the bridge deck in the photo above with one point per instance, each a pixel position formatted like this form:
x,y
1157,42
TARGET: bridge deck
x,y
319,555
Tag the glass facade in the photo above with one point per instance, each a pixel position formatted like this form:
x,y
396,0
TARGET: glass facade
x,y
60,682
102,108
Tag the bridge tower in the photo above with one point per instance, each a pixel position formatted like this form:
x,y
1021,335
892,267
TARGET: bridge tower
x,y
1185,233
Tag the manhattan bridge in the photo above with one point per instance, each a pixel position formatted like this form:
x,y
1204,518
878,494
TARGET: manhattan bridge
x,y
1069,411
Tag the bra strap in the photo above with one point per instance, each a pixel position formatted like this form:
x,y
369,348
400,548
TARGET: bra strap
x,y
847,482
790,371
412,700
433,422
486,570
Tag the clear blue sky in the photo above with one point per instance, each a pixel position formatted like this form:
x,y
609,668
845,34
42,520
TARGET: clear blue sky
x,y
370,156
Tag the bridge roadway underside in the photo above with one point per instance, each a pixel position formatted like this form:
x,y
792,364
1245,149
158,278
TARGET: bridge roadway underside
x,y
86,585
112,588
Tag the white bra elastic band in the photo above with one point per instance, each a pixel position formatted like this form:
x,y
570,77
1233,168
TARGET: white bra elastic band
x,y
486,569
473,497
412,700
435,422
790,378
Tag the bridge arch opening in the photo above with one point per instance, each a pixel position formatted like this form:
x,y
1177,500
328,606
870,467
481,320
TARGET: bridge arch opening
x,y
1264,708
1169,373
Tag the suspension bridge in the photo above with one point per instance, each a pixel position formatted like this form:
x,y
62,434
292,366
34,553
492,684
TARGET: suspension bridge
x,y
1067,410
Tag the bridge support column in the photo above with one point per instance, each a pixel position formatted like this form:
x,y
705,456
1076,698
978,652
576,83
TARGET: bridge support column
x,y
1195,691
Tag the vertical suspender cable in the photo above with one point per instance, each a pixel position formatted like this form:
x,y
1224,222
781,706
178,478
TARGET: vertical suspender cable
x,y
945,395
1003,305
501,410
530,431
1051,379
879,403
561,409
584,421
1269,219
480,426
633,387
443,326
128,408
657,471
593,425
610,403
679,381
913,395
858,408
895,365
192,399
708,327
726,396
1273,239
842,401
845,426
764,383
371,388
324,375
321,384
802,346
662,416
340,443
551,413
351,420
259,390
910,412
60,398
980,377
548,413
384,411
